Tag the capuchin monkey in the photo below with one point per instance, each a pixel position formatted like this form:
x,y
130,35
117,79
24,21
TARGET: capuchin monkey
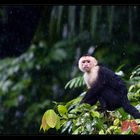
x,y
104,86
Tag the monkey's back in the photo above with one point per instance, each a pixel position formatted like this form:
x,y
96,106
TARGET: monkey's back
x,y
111,80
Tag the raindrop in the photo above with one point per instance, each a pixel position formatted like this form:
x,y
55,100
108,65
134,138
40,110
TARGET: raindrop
x,y
123,53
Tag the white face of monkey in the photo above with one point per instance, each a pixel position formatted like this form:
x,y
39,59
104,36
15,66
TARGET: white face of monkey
x,y
86,63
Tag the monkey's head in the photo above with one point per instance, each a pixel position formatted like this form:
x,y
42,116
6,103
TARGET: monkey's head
x,y
86,63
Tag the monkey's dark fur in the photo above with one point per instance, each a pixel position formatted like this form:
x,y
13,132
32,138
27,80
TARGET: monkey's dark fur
x,y
111,92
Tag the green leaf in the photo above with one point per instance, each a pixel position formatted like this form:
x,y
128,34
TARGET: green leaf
x,y
72,116
116,122
73,102
44,124
76,131
120,67
75,82
62,110
66,86
101,131
40,127
72,83
58,123
131,88
137,121
95,114
51,118
112,127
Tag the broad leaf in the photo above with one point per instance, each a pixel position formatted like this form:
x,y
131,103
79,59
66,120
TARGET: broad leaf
x,y
51,118
62,110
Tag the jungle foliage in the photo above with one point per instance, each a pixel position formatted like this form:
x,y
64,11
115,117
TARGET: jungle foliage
x,y
35,81
84,119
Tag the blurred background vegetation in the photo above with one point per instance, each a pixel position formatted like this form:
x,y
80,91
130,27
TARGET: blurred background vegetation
x,y
39,49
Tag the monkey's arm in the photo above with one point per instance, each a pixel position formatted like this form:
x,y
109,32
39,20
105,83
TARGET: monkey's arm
x,y
92,94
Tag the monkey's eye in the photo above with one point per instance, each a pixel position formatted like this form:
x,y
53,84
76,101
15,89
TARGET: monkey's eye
x,y
83,61
88,61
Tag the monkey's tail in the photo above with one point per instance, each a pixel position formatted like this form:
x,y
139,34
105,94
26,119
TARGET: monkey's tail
x,y
131,110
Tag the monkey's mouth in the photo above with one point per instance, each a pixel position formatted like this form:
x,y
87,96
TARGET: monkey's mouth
x,y
86,68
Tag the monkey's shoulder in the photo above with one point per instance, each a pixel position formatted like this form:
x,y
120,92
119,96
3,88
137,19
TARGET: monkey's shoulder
x,y
110,77
106,71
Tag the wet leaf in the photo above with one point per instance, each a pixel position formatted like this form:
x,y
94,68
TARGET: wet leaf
x,y
95,114
125,125
101,132
51,118
44,124
134,126
116,122
62,110
58,123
